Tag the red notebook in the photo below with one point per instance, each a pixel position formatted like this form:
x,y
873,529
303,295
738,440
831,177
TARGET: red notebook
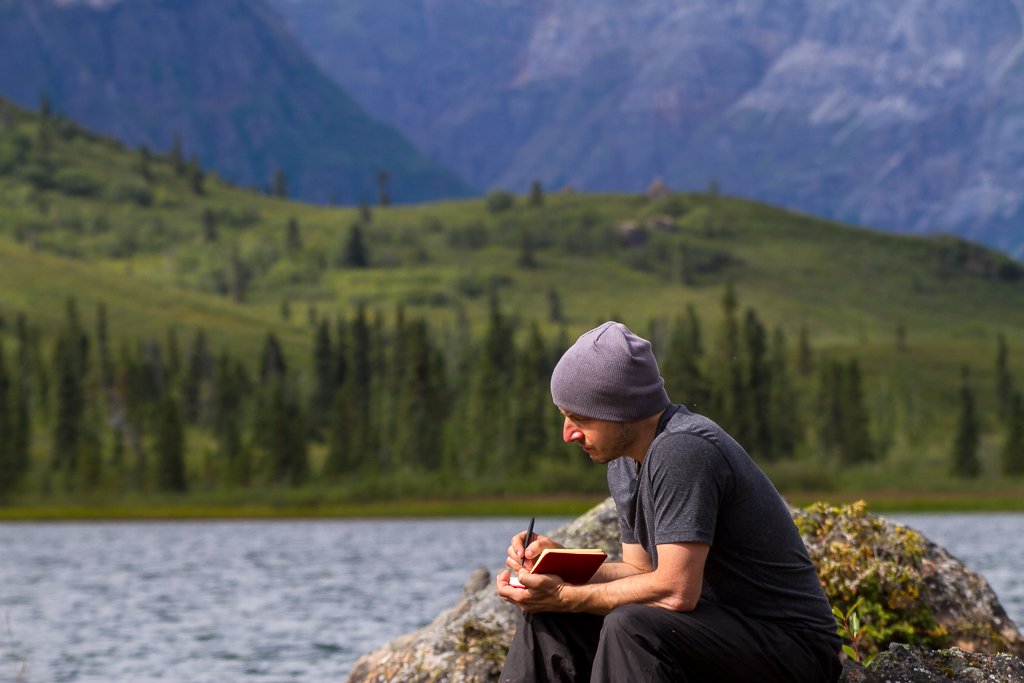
x,y
572,565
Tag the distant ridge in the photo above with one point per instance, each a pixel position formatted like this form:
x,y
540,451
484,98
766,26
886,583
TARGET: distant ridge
x,y
903,116
227,78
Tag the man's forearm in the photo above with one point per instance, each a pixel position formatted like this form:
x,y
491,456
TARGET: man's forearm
x,y
613,571
643,588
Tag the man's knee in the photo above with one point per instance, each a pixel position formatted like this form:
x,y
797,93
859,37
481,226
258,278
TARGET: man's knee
x,y
626,622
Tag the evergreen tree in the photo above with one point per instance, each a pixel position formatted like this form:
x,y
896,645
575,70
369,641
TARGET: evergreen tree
x,y
968,433
830,406
805,364
230,386
684,380
355,250
239,275
272,362
324,380
1013,447
783,406
555,306
422,403
293,239
208,233
536,193
280,434
177,155
488,434
195,380
8,466
532,404
363,434
383,187
856,445
144,164
280,187
729,397
170,447
1004,380
70,362
757,397
527,258
196,176
103,348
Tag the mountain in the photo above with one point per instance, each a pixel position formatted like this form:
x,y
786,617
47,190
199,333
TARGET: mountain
x,y
904,116
226,77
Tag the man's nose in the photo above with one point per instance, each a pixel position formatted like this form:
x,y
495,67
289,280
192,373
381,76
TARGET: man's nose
x,y
570,432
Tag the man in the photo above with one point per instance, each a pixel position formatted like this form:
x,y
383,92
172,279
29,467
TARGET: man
x,y
715,583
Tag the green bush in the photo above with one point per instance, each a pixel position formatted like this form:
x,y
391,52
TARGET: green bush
x,y
76,183
498,201
137,193
870,568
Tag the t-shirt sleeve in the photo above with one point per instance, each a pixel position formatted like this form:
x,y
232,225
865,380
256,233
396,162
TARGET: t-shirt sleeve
x,y
687,478
622,485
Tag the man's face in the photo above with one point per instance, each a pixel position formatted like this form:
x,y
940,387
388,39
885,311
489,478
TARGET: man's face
x,y
603,440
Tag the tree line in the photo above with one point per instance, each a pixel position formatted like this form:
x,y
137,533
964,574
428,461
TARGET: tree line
x,y
389,399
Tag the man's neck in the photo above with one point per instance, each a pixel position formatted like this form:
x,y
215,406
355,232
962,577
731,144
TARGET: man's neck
x,y
646,430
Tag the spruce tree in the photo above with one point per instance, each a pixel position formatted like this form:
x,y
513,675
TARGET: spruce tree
x,y
8,465
536,193
280,188
1013,447
170,447
324,382
684,380
968,433
783,405
805,364
293,238
355,255
856,445
532,402
422,405
195,380
272,362
757,396
1004,381
383,187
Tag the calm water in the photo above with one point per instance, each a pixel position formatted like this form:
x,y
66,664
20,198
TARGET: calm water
x,y
287,601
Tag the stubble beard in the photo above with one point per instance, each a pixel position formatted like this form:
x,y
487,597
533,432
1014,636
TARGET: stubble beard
x,y
618,446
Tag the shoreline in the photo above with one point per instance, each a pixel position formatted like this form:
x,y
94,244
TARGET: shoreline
x,y
1009,500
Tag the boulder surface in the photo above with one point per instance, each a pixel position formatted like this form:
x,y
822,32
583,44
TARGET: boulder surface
x,y
467,643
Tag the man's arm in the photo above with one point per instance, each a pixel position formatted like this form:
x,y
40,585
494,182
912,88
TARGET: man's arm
x,y
634,561
675,585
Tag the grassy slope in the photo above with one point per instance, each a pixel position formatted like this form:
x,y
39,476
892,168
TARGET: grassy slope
x,y
850,287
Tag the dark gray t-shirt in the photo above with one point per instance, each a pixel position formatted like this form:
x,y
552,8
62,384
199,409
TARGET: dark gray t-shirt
x,y
698,484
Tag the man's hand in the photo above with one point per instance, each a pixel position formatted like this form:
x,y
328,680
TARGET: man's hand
x,y
532,551
539,593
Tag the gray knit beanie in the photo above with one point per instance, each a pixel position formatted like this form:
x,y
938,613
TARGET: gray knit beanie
x,y
609,374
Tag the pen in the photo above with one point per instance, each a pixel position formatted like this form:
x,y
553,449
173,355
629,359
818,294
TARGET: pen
x,y
526,540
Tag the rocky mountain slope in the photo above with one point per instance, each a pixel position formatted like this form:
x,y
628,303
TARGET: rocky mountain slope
x,y
224,76
905,116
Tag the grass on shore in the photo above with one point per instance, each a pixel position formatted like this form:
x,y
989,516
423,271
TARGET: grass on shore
x,y
1007,500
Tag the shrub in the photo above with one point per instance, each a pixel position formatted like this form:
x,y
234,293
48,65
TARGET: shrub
x,y
498,201
136,193
76,183
873,569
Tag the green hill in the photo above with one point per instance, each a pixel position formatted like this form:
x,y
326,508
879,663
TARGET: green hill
x,y
163,245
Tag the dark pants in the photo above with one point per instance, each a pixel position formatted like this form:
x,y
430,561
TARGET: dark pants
x,y
640,643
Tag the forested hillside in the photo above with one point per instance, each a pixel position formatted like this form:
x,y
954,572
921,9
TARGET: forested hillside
x,y
163,332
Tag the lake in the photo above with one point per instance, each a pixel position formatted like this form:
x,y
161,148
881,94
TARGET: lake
x,y
288,600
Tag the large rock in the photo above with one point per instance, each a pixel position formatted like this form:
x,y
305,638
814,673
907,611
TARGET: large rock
x,y
467,644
